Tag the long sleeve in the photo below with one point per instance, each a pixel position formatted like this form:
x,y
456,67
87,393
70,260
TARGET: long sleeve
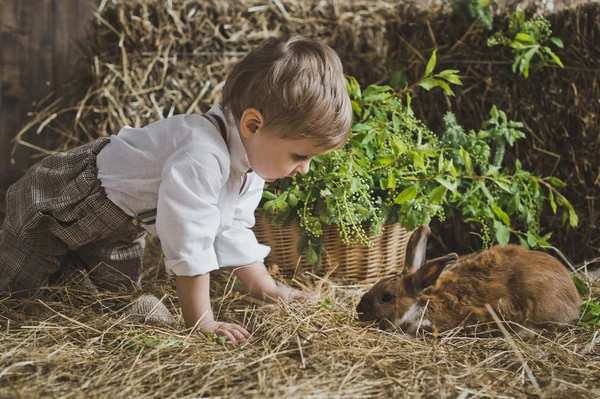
x,y
237,245
188,216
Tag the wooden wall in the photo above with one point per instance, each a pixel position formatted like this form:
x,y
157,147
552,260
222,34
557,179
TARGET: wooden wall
x,y
37,52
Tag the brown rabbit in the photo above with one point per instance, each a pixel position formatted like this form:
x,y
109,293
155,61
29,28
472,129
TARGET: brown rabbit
x,y
527,287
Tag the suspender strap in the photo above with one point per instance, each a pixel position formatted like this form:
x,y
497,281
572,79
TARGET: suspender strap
x,y
221,128
220,125
149,217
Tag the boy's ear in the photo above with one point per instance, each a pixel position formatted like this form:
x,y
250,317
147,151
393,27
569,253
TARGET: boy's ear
x,y
428,274
251,120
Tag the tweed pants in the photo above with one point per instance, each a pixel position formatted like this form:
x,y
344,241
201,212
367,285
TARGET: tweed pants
x,y
58,213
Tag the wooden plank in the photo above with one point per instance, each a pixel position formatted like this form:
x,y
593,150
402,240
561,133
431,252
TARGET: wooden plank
x,y
37,53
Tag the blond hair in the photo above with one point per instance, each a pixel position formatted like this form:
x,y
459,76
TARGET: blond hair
x,y
298,85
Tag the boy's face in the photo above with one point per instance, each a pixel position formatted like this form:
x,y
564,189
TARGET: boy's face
x,y
274,158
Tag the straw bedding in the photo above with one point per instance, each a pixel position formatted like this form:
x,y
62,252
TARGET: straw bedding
x,y
79,343
75,343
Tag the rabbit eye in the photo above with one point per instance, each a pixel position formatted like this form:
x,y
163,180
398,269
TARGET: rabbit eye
x,y
386,297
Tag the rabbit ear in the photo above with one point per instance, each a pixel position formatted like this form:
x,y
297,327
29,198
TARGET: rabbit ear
x,y
428,273
415,249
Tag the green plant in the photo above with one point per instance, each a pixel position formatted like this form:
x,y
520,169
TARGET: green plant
x,y
590,309
480,9
528,39
393,168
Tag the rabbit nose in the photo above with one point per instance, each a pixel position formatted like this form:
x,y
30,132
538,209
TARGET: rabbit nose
x,y
363,310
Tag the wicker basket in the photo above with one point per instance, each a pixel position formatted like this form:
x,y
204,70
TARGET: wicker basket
x,y
350,263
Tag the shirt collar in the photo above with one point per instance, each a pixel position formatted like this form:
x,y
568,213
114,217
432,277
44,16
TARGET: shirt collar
x,y
237,151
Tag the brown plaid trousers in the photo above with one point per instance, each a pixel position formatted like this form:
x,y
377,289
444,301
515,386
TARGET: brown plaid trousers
x,y
57,214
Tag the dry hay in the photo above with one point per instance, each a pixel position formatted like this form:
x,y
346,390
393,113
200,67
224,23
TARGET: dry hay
x,y
77,343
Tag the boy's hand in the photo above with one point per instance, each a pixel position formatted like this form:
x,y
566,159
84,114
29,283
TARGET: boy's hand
x,y
261,285
232,331
194,298
286,293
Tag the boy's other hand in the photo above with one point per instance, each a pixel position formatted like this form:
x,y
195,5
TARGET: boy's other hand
x,y
232,331
263,286
287,293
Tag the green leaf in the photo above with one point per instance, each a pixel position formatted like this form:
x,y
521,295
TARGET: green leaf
x,y
269,206
386,160
466,158
554,57
354,187
377,89
531,240
396,123
418,161
557,42
281,205
503,185
494,112
269,195
391,183
353,87
450,186
327,304
437,194
573,218
210,336
454,79
502,235
361,127
292,200
555,181
579,284
446,87
429,83
311,255
525,38
441,162
407,194
431,63
502,215
552,202
448,72
222,339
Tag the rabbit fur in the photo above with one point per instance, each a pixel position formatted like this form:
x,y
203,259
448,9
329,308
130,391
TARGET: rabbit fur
x,y
527,287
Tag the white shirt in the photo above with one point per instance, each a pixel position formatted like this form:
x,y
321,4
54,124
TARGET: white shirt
x,y
182,167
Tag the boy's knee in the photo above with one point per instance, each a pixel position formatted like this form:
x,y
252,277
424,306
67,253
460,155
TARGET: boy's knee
x,y
23,271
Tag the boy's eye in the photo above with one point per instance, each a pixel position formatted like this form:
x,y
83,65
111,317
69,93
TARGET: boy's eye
x,y
300,157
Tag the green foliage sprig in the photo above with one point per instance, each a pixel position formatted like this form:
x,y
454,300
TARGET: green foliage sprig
x,y
529,40
394,169
590,308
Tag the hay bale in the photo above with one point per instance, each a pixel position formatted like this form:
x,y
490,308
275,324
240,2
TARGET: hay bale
x,y
150,310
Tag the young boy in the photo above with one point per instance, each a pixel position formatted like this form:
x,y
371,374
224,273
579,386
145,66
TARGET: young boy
x,y
185,179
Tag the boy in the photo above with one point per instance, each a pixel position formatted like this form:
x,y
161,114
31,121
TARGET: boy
x,y
185,179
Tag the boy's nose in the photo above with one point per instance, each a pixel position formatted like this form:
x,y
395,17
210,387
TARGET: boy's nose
x,y
303,167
